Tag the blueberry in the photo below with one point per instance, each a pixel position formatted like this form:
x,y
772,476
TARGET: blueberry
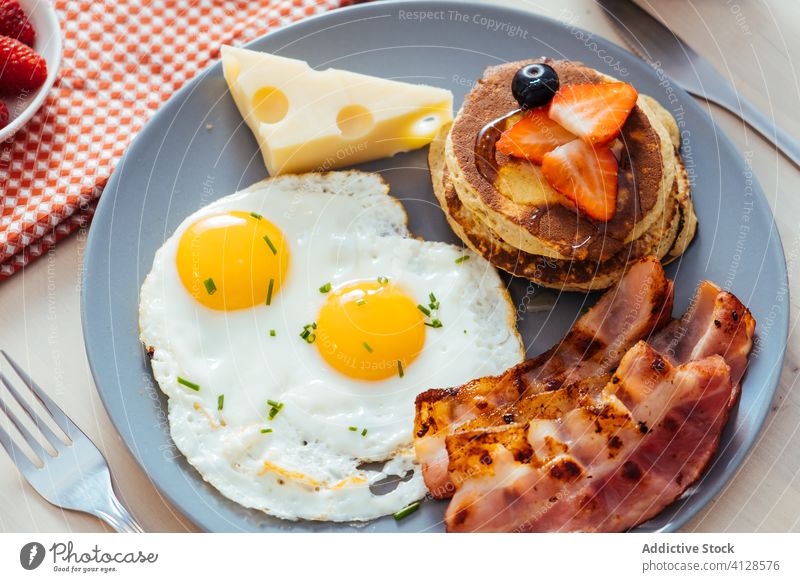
x,y
534,85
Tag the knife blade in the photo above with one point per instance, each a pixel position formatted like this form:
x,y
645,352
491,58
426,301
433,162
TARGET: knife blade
x,y
663,50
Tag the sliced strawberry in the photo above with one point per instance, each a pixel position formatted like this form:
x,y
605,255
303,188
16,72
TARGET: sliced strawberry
x,y
585,174
533,136
3,115
14,22
21,69
595,113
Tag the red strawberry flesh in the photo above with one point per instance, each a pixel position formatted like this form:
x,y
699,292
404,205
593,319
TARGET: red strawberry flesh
x,y
533,136
586,175
593,112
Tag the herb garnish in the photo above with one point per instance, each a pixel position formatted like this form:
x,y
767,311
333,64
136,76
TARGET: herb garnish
x,y
307,334
275,408
269,243
406,511
188,384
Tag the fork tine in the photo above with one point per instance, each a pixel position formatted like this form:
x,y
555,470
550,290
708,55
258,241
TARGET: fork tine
x,y
62,420
49,435
32,441
20,459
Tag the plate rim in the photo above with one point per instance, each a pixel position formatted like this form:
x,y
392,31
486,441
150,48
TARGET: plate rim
x,y
105,202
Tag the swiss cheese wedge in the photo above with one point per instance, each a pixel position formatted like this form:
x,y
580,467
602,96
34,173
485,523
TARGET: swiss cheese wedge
x,y
306,120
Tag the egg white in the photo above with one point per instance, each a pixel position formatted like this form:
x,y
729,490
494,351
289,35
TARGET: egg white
x,y
340,227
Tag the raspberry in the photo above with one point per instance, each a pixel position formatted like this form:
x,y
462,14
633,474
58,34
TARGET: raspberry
x,y
21,69
15,23
3,115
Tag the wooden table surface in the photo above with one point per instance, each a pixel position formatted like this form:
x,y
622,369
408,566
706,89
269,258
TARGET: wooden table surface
x,y
753,42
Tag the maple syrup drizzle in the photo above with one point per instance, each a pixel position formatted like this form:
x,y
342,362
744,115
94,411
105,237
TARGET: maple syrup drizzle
x,y
486,146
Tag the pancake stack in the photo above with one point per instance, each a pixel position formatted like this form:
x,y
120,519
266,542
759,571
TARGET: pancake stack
x,y
522,225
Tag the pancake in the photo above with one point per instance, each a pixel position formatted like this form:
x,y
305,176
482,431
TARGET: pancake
x,y
524,211
667,238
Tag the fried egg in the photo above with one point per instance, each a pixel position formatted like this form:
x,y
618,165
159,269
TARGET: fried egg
x,y
292,325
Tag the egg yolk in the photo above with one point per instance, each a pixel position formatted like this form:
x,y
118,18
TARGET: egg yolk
x,y
370,330
232,260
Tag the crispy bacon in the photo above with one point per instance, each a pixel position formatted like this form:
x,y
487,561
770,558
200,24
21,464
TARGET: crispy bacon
x,y
640,304
607,465
715,323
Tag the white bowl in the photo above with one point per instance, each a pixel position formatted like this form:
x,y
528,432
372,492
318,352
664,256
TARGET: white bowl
x,y
43,17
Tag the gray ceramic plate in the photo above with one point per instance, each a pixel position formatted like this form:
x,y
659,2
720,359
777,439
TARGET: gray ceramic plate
x,y
196,149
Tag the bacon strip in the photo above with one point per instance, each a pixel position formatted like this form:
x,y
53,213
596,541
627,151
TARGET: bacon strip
x,y
640,304
605,466
715,323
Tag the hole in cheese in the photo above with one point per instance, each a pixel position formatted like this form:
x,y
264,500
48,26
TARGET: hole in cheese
x,y
354,121
426,125
270,105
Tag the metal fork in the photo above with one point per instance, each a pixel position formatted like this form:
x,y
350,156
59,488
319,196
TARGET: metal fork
x,y
77,477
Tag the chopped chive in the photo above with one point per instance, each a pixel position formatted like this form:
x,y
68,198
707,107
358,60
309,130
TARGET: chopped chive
x,y
400,368
367,347
424,310
406,511
435,323
210,286
465,332
276,408
434,304
364,432
188,384
256,215
460,260
266,430
352,428
271,246
269,291
383,280
220,401
325,288
306,333
273,333
360,301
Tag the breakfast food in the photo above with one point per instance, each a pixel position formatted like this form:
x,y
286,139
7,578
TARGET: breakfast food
x,y
603,431
14,23
567,187
305,119
292,324
23,69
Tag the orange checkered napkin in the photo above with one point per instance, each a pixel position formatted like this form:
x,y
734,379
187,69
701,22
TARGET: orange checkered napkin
x,y
122,60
